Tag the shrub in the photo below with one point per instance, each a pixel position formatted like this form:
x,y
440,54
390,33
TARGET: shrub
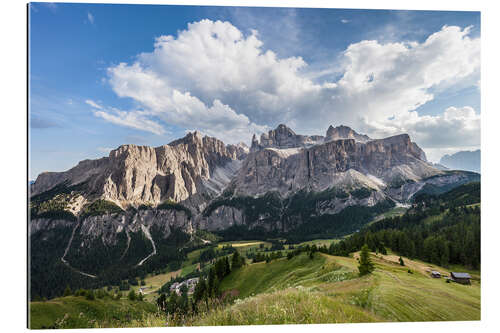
x,y
90,295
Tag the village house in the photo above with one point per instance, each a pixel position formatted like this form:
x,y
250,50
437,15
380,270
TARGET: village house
x,y
190,284
462,278
142,290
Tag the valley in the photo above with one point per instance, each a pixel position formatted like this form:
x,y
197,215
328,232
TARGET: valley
x,y
264,235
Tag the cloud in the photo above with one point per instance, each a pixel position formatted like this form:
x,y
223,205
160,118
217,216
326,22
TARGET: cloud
x,y
133,119
345,21
214,78
456,126
93,104
105,150
90,17
41,123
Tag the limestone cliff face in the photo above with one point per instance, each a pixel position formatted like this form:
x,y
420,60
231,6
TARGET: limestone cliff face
x,y
334,163
106,227
134,175
284,137
344,132
201,172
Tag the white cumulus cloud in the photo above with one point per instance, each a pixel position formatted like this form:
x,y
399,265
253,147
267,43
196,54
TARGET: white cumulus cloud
x,y
93,104
214,78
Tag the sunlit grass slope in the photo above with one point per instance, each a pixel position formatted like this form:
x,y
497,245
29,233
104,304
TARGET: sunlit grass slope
x,y
78,312
328,290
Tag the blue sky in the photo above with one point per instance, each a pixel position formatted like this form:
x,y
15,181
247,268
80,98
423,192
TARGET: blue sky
x,y
83,102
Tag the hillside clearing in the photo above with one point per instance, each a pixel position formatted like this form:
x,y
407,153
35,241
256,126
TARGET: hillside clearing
x,y
327,283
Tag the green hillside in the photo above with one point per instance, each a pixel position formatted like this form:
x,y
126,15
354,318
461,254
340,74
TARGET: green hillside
x,y
301,290
328,290
282,273
78,312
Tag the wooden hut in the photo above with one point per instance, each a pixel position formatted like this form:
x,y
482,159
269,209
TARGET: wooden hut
x,y
462,278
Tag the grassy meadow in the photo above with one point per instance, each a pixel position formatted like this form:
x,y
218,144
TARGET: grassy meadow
x,y
300,290
330,291
78,312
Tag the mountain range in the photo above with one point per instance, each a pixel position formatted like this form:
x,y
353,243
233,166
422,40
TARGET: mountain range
x,y
463,160
132,208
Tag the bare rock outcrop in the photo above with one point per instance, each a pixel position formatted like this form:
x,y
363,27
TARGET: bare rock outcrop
x,y
284,137
134,175
344,132
325,165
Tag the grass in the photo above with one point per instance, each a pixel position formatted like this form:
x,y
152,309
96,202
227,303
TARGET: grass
x,y
324,289
244,245
155,282
279,274
77,312
433,218
331,292
320,242
399,296
291,306
189,269
396,211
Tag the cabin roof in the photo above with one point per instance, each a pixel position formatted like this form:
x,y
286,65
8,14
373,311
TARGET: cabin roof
x,y
461,275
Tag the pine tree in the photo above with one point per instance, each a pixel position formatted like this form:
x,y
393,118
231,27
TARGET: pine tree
x,y
131,295
90,295
236,261
199,290
365,264
67,291
227,266
211,282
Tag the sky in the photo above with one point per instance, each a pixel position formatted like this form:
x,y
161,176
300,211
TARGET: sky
x,y
104,75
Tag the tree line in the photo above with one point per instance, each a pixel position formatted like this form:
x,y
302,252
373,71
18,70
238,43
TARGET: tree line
x,y
453,237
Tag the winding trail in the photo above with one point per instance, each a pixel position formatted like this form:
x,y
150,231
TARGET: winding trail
x,y
66,252
148,236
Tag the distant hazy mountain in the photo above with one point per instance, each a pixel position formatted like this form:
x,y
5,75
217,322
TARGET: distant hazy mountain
x,y
439,166
463,160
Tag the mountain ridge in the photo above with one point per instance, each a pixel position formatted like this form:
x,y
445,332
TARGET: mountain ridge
x,y
129,213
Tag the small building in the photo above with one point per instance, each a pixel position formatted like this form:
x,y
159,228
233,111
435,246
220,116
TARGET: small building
x,y
435,274
190,284
462,278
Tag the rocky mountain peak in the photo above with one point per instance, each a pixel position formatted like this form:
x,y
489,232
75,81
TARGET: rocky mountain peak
x,y
283,137
344,132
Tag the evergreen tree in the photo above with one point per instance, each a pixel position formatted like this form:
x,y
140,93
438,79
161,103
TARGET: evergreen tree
x,y
131,295
227,266
90,295
237,261
184,301
199,290
211,282
365,264
171,305
67,291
